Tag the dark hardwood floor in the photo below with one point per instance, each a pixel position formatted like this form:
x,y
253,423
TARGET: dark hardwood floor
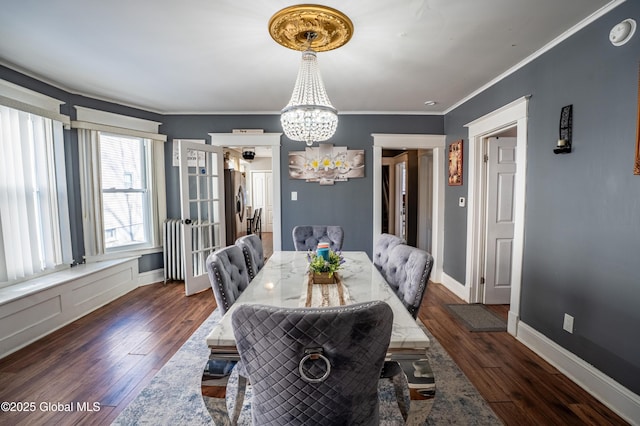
x,y
521,387
110,355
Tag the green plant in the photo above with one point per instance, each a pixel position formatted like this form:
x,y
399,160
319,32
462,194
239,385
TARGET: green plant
x,y
318,264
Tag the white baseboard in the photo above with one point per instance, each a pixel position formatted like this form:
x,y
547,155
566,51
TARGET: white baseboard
x,y
151,277
512,323
455,287
611,393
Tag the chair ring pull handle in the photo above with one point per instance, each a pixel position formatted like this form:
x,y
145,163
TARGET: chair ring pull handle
x,y
314,354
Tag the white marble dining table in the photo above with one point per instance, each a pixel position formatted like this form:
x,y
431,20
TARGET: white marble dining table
x,y
283,282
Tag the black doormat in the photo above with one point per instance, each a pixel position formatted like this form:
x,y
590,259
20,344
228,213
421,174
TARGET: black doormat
x,y
477,317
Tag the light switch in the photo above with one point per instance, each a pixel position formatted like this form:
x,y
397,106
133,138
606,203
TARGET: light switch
x,y
462,202
294,196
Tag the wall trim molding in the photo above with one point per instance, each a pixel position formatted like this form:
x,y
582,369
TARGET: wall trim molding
x,y
437,144
611,393
35,308
455,287
260,139
151,277
553,43
510,116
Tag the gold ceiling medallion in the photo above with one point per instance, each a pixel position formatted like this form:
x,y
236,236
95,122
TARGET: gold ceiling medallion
x,y
326,28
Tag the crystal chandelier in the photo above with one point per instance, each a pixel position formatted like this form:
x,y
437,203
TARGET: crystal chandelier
x,y
309,115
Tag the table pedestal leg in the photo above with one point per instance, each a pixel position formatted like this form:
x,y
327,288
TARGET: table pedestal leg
x,y
417,375
214,387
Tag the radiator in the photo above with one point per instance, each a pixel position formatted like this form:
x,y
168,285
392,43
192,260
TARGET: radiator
x,y
173,256
201,247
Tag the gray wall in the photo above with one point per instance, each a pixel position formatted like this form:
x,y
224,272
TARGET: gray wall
x,y
582,224
347,204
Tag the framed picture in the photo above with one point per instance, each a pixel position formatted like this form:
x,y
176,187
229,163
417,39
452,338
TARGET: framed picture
x,y
455,163
636,167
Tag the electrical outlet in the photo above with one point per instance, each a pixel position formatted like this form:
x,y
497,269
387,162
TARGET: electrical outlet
x,y
567,325
294,196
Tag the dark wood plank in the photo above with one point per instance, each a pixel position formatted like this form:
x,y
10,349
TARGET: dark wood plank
x,y
110,355
521,387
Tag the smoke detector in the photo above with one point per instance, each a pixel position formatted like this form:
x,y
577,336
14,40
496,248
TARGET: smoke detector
x,y
622,32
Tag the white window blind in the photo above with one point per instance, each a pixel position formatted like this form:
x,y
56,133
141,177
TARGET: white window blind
x,y
34,218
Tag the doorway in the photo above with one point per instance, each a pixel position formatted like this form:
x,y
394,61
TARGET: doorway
x,y
257,140
407,195
432,147
510,118
262,196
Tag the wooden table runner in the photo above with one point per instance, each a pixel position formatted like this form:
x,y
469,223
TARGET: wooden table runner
x,y
325,295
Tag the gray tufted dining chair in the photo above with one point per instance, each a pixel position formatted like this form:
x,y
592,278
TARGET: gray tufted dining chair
x,y
382,249
228,274
307,237
253,252
408,273
313,365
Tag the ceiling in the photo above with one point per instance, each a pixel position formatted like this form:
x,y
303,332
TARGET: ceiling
x,y
216,56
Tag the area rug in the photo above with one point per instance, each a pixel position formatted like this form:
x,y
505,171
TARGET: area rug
x,y
477,317
173,397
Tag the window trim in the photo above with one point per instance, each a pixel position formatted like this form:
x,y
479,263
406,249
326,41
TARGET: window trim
x,y
27,100
90,176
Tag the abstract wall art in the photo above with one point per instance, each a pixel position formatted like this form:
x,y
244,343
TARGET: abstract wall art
x,y
326,164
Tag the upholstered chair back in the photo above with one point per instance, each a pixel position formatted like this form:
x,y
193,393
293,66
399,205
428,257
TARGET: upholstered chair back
x,y
228,274
313,366
408,273
307,237
382,249
253,252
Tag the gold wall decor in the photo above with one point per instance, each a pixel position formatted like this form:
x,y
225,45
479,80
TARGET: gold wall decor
x,y
326,164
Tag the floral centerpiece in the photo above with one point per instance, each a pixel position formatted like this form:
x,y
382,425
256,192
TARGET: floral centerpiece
x,y
322,269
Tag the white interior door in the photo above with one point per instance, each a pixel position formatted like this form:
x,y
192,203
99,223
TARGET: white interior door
x,y
268,191
501,173
261,193
399,203
202,210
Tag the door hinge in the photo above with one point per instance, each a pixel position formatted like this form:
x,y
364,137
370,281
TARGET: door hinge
x,y
481,280
486,158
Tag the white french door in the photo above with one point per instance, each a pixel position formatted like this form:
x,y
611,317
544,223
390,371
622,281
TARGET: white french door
x,y
202,210
261,193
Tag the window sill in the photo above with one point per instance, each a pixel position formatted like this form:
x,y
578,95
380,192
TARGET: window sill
x,y
123,254
47,281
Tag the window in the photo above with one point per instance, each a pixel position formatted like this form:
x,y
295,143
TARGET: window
x,y
125,196
122,184
34,219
